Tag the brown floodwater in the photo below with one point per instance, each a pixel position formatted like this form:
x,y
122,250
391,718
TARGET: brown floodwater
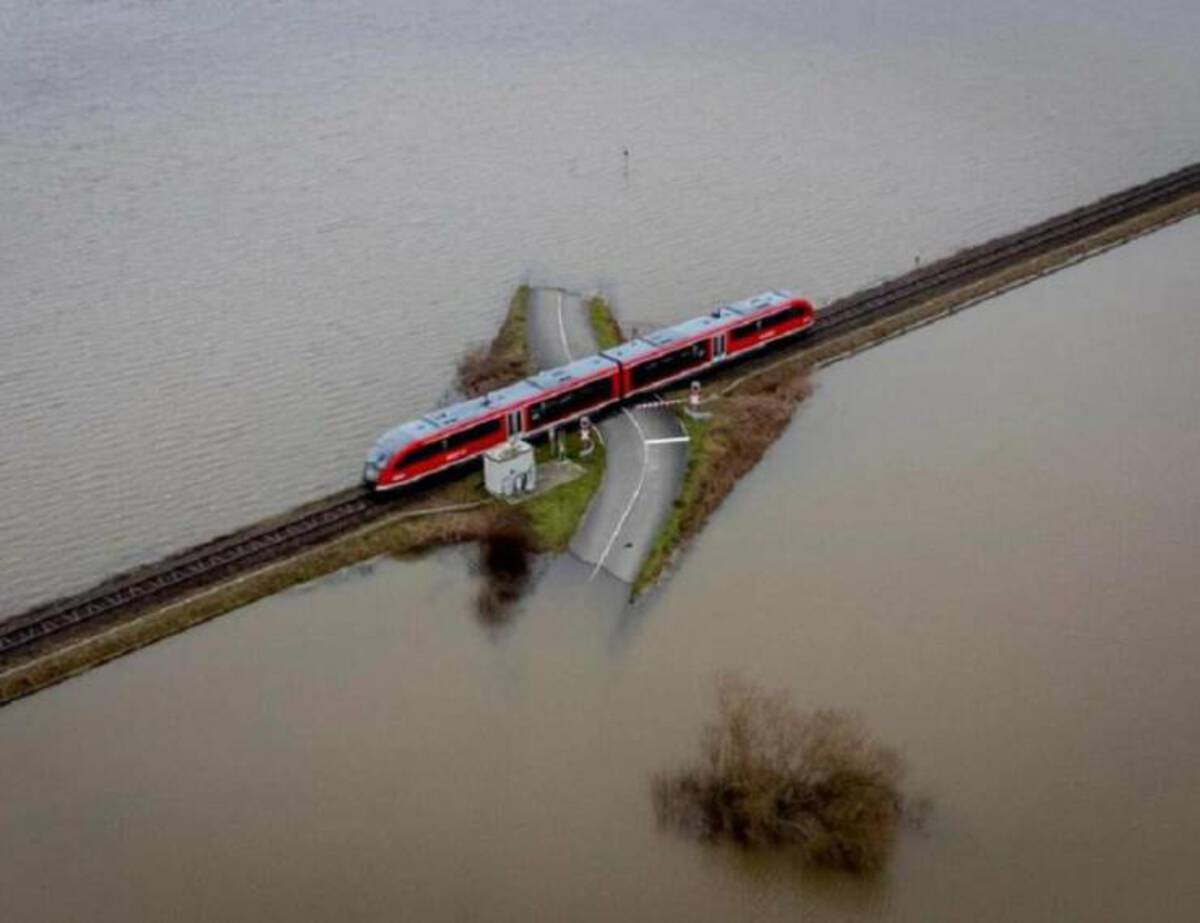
x,y
239,240
983,536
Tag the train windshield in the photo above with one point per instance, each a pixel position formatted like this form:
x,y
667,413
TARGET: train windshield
x,y
376,457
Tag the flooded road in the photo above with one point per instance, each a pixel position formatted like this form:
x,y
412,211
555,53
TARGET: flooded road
x,y
982,535
239,241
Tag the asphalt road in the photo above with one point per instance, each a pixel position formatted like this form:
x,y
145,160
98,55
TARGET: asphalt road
x,y
643,474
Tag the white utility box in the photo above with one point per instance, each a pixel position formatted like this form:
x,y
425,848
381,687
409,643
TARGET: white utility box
x,y
510,469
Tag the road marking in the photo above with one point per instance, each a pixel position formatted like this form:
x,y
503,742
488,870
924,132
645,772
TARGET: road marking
x,y
562,329
668,440
632,500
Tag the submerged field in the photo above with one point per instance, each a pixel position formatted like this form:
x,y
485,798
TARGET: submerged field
x,y
991,562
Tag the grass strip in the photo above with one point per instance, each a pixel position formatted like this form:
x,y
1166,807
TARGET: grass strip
x,y
555,515
604,324
721,450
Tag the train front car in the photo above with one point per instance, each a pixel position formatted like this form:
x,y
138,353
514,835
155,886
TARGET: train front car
x,y
457,434
767,317
389,462
447,437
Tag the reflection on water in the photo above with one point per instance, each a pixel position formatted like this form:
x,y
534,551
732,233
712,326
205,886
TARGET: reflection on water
x,y
982,535
239,240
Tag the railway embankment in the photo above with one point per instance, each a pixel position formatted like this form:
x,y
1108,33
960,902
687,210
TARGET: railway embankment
x,y
753,404
453,512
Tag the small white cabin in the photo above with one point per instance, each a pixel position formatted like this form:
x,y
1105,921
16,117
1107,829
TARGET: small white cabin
x,y
510,469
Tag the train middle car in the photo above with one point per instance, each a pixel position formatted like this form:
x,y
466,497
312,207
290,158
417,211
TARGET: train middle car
x,y
466,430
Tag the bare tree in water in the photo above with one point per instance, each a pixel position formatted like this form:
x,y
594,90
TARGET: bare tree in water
x,y
769,773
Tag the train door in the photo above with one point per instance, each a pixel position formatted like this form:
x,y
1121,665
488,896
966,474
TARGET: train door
x,y
719,347
514,423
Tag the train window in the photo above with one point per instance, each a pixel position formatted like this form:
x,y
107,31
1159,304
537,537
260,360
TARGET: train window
x,y
671,364
473,434
766,323
423,453
570,402
782,317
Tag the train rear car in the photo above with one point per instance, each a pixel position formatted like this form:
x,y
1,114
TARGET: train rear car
x,y
767,317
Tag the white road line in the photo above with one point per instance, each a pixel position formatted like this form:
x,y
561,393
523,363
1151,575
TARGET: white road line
x,y
562,329
632,500
668,440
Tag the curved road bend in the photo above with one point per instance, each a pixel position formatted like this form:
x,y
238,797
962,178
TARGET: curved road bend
x,y
643,475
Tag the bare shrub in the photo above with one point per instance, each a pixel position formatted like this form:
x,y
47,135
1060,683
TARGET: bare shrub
x,y
745,425
505,548
769,773
506,359
483,369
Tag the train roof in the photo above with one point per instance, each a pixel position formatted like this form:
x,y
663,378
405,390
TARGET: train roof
x,y
697,326
478,407
766,301
629,350
510,395
668,336
399,436
579,370
463,412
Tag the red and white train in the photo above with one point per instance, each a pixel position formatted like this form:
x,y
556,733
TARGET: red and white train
x,y
466,430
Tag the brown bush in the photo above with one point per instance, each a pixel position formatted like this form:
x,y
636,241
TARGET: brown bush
x,y
742,429
769,773
506,359
482,370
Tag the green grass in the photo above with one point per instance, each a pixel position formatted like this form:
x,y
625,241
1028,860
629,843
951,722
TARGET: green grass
x,y
510,339
555,515
604,325
671,535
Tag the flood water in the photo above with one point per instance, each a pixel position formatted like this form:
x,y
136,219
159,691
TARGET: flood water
x,y
982,536
238,240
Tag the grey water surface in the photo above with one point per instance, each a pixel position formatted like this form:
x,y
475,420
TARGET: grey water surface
x,y
237,240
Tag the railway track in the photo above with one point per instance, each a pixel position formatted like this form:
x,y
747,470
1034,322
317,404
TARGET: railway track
x,y
213,562
999,253
192,569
